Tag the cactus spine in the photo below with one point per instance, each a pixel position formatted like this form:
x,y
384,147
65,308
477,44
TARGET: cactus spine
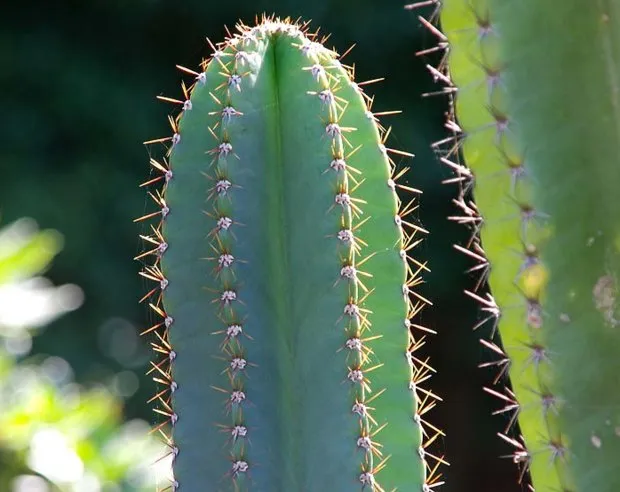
x,y
282,280
538,126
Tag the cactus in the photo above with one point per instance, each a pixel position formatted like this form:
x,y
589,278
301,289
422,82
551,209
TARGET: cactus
x,y
285,289
510,230
535,120
283,282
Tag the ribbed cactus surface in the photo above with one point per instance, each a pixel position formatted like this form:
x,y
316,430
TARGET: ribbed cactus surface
x,y
567,115
507,232
283,281
536,120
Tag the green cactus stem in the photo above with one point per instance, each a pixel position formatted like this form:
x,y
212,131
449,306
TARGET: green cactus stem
x,y
506,233
283,282
565,105
538,121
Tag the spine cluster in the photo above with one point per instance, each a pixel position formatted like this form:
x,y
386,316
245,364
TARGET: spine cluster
x,y
156,246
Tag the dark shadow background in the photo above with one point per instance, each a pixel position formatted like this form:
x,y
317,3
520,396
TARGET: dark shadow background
x,y
78,81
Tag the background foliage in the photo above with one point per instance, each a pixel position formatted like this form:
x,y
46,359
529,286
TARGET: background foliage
x,y
78,86
54,433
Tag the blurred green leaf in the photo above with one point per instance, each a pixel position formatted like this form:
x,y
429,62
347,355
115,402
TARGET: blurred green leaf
x,y
25,251
50,426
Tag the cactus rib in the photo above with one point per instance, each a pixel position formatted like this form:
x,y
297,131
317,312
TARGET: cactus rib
x,y
287,302
552,245
506,222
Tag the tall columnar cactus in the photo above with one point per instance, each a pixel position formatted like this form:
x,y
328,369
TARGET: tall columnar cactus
x,y
283,280
538,127
508,226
